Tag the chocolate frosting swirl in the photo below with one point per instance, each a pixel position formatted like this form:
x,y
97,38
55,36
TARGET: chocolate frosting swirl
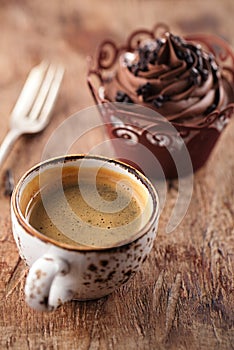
x,y
172,76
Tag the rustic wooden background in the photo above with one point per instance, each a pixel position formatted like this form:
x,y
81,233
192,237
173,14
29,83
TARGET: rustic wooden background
x,y
184,296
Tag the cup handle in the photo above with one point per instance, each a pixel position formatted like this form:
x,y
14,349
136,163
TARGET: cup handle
x,y
42,291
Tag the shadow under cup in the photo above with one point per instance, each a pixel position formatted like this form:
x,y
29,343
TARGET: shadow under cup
x,y
90,272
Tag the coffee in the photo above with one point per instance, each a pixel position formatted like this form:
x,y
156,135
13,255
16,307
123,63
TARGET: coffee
x,y
87,212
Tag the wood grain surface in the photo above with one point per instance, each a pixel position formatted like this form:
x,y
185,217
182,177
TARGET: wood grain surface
x,y
184,296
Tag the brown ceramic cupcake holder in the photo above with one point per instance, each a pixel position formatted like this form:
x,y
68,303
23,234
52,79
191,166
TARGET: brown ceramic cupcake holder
x,y
130,126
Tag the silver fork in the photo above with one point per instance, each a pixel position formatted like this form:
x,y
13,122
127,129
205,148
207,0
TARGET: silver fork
x,y
32,110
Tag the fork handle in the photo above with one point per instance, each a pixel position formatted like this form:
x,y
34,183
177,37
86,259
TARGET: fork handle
x,y
7,143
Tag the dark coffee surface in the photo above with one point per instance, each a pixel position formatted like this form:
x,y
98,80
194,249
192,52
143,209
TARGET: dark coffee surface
x,y
88,214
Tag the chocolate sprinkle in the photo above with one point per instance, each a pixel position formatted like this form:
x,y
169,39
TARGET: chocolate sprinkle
x,y
204,74
179,54
210,109
158,101
148,54
122,97
145,91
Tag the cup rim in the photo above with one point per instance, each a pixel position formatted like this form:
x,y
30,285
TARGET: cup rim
x,y
68,158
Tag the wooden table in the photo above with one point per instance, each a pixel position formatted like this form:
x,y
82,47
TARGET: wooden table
x,y
184,296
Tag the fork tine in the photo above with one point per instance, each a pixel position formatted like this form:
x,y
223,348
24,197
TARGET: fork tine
x,y
29,91
41,89
42,93
51,96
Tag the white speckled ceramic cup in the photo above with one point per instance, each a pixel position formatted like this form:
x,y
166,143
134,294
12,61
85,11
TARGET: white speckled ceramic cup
x,y
60,272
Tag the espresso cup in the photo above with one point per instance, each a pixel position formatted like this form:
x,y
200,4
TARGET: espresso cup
x,y
59,271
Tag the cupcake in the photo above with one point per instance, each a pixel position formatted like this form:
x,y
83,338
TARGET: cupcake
x,y
187,80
